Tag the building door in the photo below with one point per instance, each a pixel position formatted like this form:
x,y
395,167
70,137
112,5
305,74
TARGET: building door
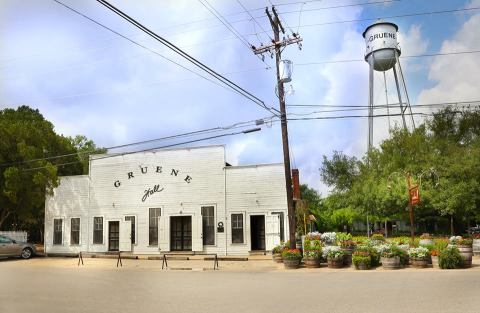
x,y
257,232
113,235
181,233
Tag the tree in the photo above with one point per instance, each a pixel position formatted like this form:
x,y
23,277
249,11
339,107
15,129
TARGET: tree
x,y
25,175
84,148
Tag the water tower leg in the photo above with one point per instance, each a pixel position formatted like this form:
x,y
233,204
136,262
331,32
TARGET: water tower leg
x,y
399,97
370,104
386,99
405,89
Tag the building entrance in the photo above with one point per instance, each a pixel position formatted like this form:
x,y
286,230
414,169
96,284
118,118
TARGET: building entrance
x,y
113,236
181,233
257,232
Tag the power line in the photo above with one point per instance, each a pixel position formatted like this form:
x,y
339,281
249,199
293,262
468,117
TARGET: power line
x,y
150,149
189,58
385,106
388,17
402,57
187,134
254,19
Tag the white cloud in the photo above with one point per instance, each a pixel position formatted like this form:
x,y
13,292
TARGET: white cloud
x,y
456,76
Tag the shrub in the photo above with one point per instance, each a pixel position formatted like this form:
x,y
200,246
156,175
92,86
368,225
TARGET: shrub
x,y
465,242
313,254
429,247
440,243
291,254
450,258
343,237
418,253
455,239
377,237
360,239
313,236
368,249
362,258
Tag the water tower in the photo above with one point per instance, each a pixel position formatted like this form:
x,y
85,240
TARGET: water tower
x,y
382,54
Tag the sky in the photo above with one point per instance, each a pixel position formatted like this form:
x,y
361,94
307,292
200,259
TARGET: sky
x,y
88,80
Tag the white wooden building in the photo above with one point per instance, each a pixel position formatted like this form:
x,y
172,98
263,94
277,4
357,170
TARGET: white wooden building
x,y
185,199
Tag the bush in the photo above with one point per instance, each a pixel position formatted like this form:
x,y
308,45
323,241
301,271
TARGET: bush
x,y
278,249
329,238
418,253
343,237
291,254
335,252
360,239
378,237
374,255
450,258
362,258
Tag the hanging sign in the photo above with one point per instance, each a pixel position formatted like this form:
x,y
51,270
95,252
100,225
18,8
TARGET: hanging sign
x,y
414,195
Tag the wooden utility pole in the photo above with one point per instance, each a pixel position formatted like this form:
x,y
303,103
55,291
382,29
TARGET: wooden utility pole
x,y
276,46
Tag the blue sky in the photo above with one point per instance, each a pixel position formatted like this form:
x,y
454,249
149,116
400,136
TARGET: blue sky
x,y
89,81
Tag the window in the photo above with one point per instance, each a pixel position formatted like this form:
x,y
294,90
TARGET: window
x,y
75,231
208,225
98,230
132,220
153,215
57,231
237,228
5,240
281,217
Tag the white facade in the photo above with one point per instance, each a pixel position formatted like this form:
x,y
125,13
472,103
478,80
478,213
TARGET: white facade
x,y
179,200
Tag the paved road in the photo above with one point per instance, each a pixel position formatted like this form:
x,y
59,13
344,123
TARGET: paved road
x,y
51,289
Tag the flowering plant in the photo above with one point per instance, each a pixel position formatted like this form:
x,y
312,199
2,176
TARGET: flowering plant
x,y
348,244
335,252
425,236
313,253
434,252
291,254
278,249
476,236
418,253
455,239
377,237
313,236
343,236
329,238
465,242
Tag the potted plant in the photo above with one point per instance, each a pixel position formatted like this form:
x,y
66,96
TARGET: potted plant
x,y
450,258
476,244
277,253
291,258
335,257
362,260
426,239
312,252
370,250
329,239
377,239
464,246
434,256
347,247
418,257
390,256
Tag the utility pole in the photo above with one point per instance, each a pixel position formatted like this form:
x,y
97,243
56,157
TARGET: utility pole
x,y
276,46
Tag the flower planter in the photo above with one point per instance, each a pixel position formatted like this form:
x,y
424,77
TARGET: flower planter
x,y
362,266
467,253
419,263
476,246
390,263
277,257
347,257
435,261
291,263
311,262
335,263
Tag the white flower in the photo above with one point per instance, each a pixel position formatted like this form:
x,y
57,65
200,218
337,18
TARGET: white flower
x,y
329,238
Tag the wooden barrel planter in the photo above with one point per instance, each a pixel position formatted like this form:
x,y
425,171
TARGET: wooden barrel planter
x,y
467,253
335,262
291,263
476,246
390,263
277,257
362,266
435,261
347,256
419,263
311,262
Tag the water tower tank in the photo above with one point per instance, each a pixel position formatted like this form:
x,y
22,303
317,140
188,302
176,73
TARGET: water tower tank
x,y
381,43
